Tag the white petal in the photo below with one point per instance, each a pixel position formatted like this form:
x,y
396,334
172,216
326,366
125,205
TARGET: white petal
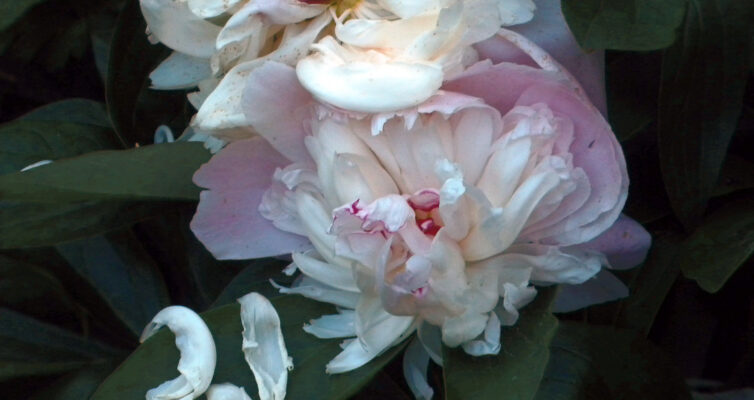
x,y
198,354
316,290
415,363
554,265
180,71
263,346
173,24
333,326
335,275
377,331
514,12
210,8
226,391
602,288
489,343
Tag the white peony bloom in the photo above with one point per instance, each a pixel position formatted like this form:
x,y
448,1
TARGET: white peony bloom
x,y
198,354
382,54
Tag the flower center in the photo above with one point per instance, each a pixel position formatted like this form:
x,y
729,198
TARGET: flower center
x,y
426,205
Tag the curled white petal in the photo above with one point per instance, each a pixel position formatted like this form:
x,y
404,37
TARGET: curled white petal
x,y
226,391
198,354
180,71
264,347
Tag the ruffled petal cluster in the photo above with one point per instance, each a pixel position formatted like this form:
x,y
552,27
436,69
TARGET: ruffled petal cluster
x,y
436,218
365,55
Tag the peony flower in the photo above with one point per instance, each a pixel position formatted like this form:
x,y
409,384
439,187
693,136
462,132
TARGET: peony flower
x,y
413,46
434,219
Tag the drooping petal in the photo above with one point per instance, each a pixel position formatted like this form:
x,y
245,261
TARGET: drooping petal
x,y
319,291
198,354
625,244
276,106
602,288
172,23
180,71
226,391
415,364
264,347
227,220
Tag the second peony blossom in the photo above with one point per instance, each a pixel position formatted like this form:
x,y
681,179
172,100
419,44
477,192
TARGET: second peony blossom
x,y
436,218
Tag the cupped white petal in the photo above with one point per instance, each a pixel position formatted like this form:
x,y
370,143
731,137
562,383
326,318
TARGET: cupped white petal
x,y
263,346
226,391
198,354
366,81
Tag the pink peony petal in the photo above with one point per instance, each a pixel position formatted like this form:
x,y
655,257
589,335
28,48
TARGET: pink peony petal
x,y
227,221
625,244
277,106
550,31
595,148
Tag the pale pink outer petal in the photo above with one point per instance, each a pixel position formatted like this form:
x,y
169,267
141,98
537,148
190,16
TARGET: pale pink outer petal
x,y
277,106
625,244
550,31
227,220
595,148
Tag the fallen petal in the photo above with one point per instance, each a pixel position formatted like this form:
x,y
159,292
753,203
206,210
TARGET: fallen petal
x,y
263,346
198,354
226,391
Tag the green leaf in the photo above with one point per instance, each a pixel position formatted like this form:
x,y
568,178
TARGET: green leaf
x,y
632,83
702,86
255,278
720,245
515,373
650,285
24,225
52,132
74,111
155,361
31,347
156,172
76,385
624,24
737,174
598,362
131,60
32,290
11,11
122,273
